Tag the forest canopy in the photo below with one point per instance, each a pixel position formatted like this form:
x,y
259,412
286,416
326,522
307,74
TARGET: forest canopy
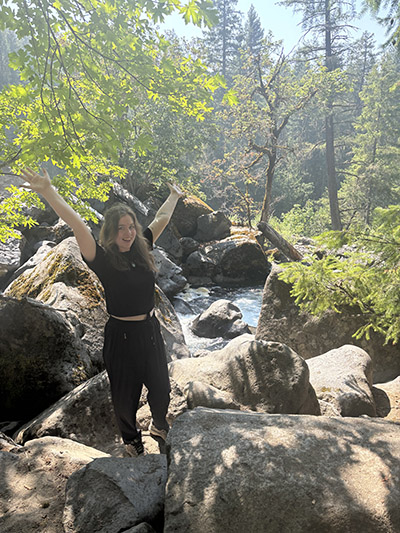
x,y
87,71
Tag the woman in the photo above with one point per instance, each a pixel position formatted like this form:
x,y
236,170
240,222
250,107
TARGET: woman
x,y
133,351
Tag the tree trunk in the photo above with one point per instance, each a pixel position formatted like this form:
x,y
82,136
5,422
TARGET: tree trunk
x,y
224,39
331,172
277,240
329,132
266,206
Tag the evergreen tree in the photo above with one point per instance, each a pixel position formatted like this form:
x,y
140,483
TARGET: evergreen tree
x,y
365,281
374,177
359,61
328,21
253,32
223,41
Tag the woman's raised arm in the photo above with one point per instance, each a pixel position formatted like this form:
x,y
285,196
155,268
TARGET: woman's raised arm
x,y
163,215
41,184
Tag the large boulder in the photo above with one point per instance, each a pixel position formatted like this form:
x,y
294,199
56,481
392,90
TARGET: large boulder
x,y
41,252
34,477
189,246
171,329
387,399
235,471
262,376
200,394
169,275
114,494
36,235
213,227
281,320
231,262
199,269
10,257
63,281
41,358
342,378
222,319
186,214
86,415
119,195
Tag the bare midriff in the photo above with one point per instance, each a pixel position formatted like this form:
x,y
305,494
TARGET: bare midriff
x,y
135,318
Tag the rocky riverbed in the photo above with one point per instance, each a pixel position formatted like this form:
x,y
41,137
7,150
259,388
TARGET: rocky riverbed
x,y
288,425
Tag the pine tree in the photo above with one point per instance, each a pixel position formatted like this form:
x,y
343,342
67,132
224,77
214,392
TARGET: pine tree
x,y
374,179
327,20
363,281
223,41
253,32
360,60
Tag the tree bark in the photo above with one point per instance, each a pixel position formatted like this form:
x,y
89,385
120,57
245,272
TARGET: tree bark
x,y
266,206
224,39
277,240
329,132
331,172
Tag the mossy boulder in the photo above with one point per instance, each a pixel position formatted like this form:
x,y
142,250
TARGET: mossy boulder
x,y
63,281
213,226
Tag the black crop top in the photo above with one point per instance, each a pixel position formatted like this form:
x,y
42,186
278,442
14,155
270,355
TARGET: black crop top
x,y
128,292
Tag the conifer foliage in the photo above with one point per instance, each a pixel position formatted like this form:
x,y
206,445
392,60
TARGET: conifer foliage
x,y
253,32
223,41
359,273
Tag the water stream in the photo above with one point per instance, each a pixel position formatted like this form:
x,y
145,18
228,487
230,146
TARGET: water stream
x,y
191,302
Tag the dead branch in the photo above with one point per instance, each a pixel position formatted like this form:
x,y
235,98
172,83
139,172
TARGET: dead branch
x,y
277,240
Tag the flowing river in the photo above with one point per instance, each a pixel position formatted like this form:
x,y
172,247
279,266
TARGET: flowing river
x,y
191,302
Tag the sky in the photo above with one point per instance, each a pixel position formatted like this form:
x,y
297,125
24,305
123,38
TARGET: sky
x,y
280,20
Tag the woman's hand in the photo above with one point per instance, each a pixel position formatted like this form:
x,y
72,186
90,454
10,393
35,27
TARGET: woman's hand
x,y
41,183
34,181
175,190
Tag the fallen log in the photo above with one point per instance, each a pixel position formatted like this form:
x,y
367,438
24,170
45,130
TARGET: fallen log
x,y
277,240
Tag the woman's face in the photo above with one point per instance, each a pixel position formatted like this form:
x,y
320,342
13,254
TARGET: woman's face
x,y
126,233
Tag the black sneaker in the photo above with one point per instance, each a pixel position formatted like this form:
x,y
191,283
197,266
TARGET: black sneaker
x,y
135,447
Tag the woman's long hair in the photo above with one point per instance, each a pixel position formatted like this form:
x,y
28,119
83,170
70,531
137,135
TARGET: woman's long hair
x,y
139,253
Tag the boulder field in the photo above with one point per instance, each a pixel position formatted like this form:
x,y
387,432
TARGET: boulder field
x,y
292,428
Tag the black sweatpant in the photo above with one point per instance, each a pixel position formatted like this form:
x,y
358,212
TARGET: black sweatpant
x,y
134,355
